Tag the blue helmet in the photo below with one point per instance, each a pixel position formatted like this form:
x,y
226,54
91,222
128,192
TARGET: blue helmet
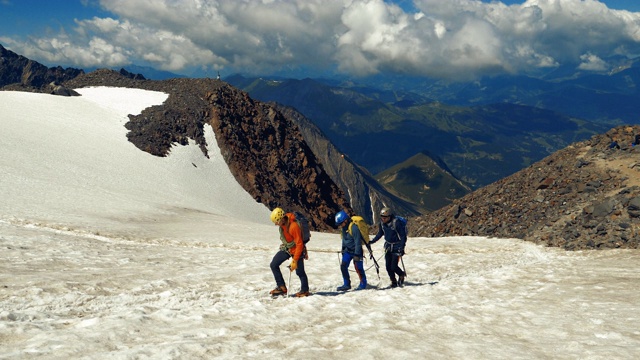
x,y
341,216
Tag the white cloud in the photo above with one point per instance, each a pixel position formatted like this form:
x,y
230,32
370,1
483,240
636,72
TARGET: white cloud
x,y
456,38
591,62
375,37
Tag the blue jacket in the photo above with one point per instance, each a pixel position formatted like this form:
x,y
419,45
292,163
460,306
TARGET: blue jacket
x,y
395,235
352,243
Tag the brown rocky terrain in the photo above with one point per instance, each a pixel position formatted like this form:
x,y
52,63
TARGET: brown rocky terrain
x,y
269,157
586,196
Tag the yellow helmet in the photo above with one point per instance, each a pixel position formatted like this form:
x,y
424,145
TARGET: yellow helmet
x,y
276,215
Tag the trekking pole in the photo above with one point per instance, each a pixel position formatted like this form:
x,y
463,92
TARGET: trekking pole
x,y
289,284
403,268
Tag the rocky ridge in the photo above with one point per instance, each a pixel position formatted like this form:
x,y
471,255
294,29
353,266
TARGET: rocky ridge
x,y
21,74
586,196
269,157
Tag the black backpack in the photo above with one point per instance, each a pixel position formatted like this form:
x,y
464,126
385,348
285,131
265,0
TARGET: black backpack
x,y
304,226
396,220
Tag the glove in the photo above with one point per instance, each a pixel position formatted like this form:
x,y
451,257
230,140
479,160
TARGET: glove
x,y
357,258
293,265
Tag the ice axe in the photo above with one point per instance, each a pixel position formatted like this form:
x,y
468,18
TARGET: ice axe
x,y
374,260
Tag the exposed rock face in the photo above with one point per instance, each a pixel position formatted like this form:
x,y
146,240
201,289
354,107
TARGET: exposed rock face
x,y
586,196
264,149
269,157
21,74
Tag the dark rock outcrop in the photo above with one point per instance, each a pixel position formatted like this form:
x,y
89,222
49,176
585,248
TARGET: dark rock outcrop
x,y
586,196
131,75
268,156
18,73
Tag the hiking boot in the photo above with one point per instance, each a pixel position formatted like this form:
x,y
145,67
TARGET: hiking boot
x,y
344,287
362,286
302,294
394,284
279,290
401,280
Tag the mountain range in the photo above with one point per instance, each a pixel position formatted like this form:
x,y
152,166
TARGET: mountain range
x,y
479,144
283,158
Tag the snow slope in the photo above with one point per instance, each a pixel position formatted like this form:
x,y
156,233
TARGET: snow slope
x,y
109,252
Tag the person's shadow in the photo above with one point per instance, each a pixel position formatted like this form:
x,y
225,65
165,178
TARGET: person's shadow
x,y
373,287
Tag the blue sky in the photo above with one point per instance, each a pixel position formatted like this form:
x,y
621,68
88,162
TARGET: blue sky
x,y
36,17
631,5
452,39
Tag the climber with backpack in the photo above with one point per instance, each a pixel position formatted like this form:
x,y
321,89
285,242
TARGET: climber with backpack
x,y
294,234
394,230
352,242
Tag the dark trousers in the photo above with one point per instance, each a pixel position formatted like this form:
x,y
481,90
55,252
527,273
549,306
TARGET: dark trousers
x,y
344,269
392,263
278,259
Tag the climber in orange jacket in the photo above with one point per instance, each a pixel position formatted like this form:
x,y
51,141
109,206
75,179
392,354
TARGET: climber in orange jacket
x,y
292,246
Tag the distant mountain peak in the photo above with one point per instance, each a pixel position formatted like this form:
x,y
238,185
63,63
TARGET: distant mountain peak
x,y
423,180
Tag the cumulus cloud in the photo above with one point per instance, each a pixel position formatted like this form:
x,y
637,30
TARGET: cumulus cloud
x,y
453,39
249,35
591,62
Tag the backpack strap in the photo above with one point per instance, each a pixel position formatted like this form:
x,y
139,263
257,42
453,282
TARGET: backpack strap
x,y
286,246
350,228
394,226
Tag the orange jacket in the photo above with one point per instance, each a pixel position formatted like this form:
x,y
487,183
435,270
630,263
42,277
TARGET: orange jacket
x,y
293,233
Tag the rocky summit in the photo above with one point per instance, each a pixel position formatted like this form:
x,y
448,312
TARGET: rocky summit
x,y
586,196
